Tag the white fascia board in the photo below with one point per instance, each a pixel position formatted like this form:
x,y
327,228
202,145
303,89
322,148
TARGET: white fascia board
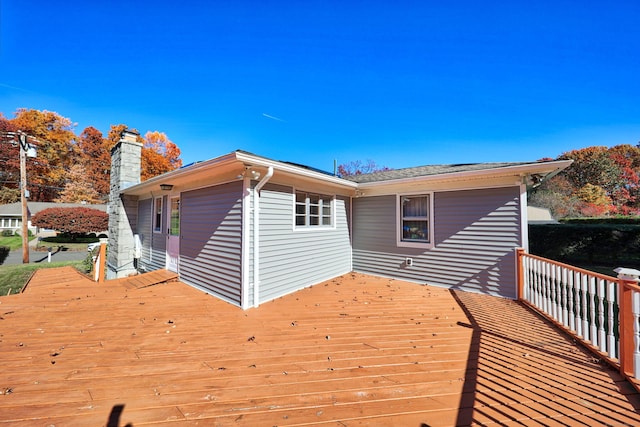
x,y
517,170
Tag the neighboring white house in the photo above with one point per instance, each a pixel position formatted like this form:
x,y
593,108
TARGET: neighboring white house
x,y
539,215
11,213
249,229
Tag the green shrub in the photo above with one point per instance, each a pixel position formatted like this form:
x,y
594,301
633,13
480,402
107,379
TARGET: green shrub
x,y
6,233
608,244
69,239
632,220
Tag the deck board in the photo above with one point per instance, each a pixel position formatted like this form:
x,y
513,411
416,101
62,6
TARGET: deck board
x,y
353,351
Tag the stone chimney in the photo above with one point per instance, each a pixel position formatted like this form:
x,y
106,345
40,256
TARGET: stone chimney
x,y
123,209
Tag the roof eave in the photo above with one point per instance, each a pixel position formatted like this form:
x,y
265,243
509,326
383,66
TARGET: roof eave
x,y
231,158
516,170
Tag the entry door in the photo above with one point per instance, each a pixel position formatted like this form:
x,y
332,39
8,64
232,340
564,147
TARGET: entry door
x,y
173,237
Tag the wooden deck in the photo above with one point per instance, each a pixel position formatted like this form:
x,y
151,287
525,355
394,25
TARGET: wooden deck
x,y
354,351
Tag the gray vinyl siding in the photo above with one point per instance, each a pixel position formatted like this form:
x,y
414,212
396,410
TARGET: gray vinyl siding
x,y
144,231
211,240
475,236
292,259
153,256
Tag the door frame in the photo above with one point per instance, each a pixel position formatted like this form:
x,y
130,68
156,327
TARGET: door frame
x,y
173,240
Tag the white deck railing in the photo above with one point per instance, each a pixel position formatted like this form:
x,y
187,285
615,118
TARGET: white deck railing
x,y
601,311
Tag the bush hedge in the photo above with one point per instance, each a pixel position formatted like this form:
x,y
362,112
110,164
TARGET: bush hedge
x,y
633,220
615,245
70,239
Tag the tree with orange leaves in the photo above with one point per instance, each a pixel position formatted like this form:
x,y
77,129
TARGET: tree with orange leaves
x,y
56,151
159,155
94,154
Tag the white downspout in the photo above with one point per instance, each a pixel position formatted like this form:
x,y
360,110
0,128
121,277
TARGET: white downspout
x,y
524,217
256,236
246,227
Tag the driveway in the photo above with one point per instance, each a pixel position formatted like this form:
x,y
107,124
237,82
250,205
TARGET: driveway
x,y
15,257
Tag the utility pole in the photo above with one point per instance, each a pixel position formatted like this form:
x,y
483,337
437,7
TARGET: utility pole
x,y
23,197
26,150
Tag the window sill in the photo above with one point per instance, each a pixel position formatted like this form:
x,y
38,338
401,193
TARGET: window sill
x,y
420,245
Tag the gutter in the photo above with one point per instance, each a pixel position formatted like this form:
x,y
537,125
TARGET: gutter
x,y
256,235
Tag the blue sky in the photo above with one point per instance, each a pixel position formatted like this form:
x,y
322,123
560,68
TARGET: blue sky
x,y
403,83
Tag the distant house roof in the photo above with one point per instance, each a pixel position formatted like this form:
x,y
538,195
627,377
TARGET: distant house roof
x,y
419,171
15,209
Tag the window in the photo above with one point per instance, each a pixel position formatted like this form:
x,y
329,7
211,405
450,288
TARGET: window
x,y
174,227
157,214
415,226
313,210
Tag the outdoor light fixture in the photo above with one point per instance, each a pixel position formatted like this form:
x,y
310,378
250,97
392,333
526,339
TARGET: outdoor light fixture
x,y
166,187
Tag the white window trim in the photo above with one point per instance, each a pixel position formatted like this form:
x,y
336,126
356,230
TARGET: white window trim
x,y
153,215
399,241
318,227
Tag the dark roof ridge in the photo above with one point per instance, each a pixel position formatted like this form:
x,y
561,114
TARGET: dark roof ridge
x,y
416,171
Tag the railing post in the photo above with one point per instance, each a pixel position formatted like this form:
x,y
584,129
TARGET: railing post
x,y
100,263
628,316
520,273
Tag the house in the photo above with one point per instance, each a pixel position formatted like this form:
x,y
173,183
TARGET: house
x,y
11,213
538,215
249,229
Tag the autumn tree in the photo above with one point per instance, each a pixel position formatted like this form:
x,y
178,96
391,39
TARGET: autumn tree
x,y
115,133
600,181
592,165
9,195
627,195
10,161
558,195
358,167
78,188
74,221
159,155
56,150
94,154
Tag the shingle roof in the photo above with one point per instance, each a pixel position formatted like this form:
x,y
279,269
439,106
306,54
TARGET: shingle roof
x,y
429,170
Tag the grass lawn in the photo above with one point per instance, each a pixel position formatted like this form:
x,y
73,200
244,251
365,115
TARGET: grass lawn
x,y
13,242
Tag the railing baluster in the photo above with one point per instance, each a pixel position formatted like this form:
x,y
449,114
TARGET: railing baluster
x,y
602,341
534,279
611,337
584,282
572,316
557,294
579,299
547,292
593,300
564,302
636,334
553,307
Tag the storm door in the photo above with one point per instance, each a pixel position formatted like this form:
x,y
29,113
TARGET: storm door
x,y
173,236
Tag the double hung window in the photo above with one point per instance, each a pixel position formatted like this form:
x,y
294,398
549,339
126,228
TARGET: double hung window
x,y
415,225
157,214
313,210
